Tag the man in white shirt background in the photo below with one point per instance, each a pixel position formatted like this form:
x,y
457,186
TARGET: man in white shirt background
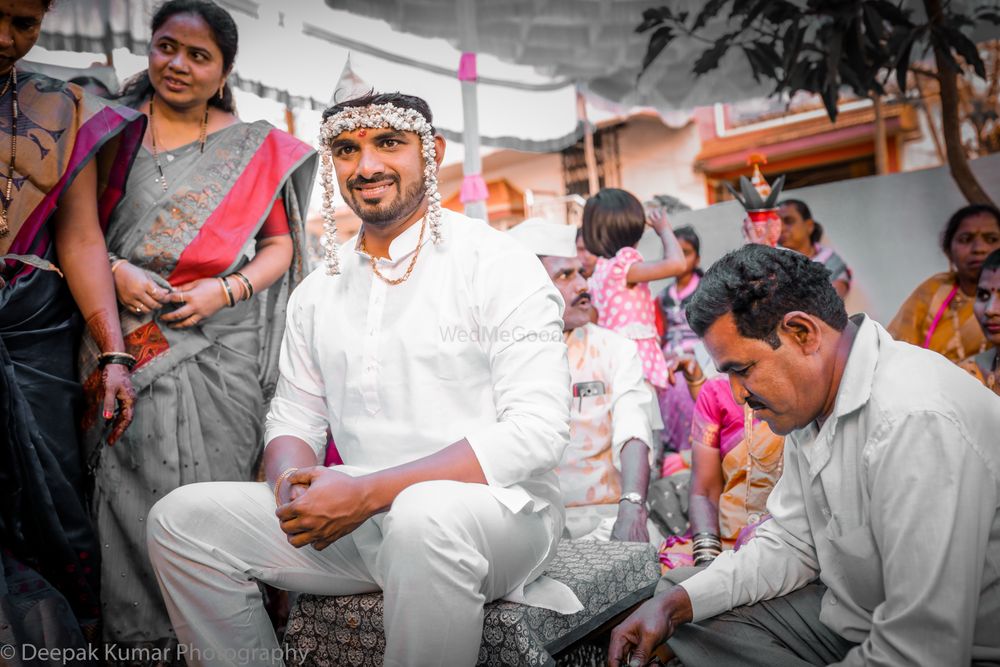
x,y
884,546
432,347
604,472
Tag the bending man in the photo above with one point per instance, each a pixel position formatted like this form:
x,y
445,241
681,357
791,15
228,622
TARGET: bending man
x,y
887,445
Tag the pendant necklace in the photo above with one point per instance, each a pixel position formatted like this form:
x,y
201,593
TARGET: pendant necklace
x,y
162,180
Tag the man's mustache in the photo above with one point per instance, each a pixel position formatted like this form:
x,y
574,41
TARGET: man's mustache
x,y
580,297
359,181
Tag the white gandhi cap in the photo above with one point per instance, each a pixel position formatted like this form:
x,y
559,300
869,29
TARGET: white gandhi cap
x,y
543,237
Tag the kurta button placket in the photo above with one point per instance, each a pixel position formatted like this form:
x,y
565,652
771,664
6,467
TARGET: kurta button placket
x,y
373,327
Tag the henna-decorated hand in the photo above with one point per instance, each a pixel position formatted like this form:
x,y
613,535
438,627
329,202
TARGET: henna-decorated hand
x,y
118,392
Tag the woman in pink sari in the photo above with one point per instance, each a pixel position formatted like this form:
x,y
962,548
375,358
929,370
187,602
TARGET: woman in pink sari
x,y
736,460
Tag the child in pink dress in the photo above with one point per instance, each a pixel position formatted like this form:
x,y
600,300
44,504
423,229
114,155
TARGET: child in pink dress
x,y
613,223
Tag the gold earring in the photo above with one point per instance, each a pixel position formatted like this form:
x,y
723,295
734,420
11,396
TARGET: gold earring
x,y
221,88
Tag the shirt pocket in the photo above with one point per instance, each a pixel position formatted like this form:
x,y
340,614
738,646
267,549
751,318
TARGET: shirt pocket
x,y
856,562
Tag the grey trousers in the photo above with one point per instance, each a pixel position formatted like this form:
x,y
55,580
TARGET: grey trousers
x,y
779,632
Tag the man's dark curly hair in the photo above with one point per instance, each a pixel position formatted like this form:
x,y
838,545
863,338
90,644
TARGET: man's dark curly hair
x,y
759,285
396,99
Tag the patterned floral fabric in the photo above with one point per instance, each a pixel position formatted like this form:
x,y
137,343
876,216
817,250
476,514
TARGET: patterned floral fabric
x,y
608,578
629,310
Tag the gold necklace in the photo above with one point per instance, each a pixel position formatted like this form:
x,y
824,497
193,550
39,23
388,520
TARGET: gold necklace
x,y
162,180
409,269
9,192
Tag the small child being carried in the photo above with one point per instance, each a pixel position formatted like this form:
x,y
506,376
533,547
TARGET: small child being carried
x,y
613,223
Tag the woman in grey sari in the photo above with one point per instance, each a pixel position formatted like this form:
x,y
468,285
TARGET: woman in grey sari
x,y
205,249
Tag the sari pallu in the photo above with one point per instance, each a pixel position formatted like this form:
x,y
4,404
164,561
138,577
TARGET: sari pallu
x,y
938,316
201,391
51,557
751,457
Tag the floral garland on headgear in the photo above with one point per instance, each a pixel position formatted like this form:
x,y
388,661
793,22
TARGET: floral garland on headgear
x,y
375,116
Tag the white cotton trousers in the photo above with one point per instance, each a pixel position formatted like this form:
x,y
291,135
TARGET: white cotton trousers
x,y
443,551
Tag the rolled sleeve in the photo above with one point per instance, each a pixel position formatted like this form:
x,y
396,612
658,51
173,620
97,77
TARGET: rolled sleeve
x,y
530,372
632,403
298,408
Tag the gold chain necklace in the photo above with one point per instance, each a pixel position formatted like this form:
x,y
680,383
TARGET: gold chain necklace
x,y
409,269
156,153
9,192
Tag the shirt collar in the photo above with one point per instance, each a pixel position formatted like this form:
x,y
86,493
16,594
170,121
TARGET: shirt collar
x,y
856,383
401,247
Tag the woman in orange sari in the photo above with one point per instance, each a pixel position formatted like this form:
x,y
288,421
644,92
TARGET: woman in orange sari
x,y
938,315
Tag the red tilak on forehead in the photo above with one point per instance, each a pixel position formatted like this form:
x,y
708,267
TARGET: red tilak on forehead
x,y
362,133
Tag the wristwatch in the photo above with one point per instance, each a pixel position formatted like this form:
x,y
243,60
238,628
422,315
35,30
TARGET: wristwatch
x,y
633,497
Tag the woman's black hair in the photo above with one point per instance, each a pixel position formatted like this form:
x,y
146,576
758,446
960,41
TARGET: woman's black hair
x,y
992,262
687,233
612,219
803,208
955,221
138,89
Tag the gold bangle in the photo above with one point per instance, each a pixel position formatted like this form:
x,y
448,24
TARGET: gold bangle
x,y
246,284
227,292
115,264
277,484
696,383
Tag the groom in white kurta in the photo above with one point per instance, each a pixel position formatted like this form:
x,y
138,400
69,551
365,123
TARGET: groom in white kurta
x,y
447,394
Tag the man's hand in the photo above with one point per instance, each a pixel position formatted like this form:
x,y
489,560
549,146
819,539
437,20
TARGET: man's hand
x,y
633,641
333,505
631,523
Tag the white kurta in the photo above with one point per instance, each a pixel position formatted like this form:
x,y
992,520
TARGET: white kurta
x,y
470,346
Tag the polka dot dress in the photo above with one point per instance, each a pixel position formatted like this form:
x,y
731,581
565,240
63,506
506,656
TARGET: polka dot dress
x,y
629,310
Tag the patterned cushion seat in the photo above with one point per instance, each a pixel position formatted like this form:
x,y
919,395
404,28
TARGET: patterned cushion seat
x,y
607,577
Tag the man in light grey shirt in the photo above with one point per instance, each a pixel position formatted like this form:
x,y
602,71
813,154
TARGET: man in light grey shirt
x,y
884,546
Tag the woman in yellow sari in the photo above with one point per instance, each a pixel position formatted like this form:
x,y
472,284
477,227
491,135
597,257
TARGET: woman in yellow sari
x,y
938,315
